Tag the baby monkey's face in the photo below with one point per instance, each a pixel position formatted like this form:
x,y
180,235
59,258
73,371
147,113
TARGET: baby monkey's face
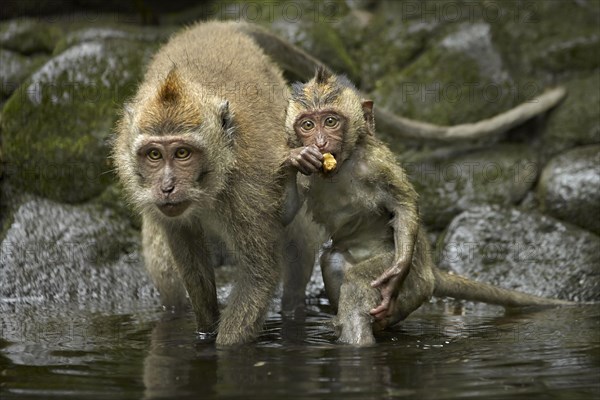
x,y
323,128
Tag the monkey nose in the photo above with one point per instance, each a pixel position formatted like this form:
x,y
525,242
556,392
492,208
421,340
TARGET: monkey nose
x,y
167,189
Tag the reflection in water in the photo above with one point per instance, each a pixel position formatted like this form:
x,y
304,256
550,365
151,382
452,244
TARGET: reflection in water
x,y
175,363
444,350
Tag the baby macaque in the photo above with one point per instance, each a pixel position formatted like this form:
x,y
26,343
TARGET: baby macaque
x,y
377,267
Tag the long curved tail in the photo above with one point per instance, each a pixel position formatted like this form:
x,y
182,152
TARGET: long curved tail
x,y
303,65
458,287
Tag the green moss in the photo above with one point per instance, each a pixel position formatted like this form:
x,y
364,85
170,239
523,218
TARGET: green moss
x,y
547,37
577,120
15,68
325,43
444,87
55,127
28,36
385,47
112,31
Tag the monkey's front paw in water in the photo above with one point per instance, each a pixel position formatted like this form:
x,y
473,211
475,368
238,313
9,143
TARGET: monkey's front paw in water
x,y
227,339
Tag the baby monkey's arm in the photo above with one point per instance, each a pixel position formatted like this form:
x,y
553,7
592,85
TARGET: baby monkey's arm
x,y
307,160
406,227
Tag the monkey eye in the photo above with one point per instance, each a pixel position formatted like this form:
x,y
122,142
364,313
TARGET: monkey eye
x,y
307,125
182,153
154,154
331,122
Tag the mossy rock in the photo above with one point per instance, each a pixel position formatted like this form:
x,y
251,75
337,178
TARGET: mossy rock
x,y
461,78
386,47
15,68
56,125
547,38
569,187
526,251
126,32
576,121
448,186
323,41
27,36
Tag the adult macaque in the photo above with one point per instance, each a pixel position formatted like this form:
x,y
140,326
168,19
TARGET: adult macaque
x,y
378,266
199,151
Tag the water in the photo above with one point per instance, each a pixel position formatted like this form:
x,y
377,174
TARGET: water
x,y
443,351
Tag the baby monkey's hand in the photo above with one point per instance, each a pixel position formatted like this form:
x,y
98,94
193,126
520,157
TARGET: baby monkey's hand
x,y
388,283
307,160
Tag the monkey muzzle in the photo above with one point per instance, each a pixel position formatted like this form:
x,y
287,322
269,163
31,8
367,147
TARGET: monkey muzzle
x,y
173,209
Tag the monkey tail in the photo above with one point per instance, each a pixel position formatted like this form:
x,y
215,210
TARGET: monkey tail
x,y
458,287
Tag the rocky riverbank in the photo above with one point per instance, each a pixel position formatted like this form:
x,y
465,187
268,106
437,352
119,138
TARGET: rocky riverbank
x,y
531,196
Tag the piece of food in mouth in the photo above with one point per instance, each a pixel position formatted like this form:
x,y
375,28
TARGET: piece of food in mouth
x,y
329,162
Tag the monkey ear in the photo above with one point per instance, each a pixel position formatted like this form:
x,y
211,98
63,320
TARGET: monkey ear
x,y
226,117
367,107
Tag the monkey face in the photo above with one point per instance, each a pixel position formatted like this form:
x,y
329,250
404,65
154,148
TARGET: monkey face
x,y
175,150
324,129
170,170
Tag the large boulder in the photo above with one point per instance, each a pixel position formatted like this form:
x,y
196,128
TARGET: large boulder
x,y
459,78
449,185
569,187
576,121
63,254
14,69
28,36
525,251
56,126
544,38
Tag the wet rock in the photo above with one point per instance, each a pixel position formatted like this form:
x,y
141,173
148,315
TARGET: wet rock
x,y
29,36
569,187
576,121
64,254
14,69
56,125
525,251
448,186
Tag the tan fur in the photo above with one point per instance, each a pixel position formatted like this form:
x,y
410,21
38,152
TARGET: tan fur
x,y
369,209
198,78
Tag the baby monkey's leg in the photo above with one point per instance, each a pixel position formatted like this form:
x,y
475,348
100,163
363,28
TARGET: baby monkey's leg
x,y
349,289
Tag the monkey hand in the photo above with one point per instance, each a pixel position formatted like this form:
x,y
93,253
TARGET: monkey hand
x,y
388,283
307,160
387,290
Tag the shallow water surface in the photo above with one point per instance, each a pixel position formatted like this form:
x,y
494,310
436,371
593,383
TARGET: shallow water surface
x,y
444,350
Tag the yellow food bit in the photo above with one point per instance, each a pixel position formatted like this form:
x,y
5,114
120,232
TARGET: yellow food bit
x,y
329,162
